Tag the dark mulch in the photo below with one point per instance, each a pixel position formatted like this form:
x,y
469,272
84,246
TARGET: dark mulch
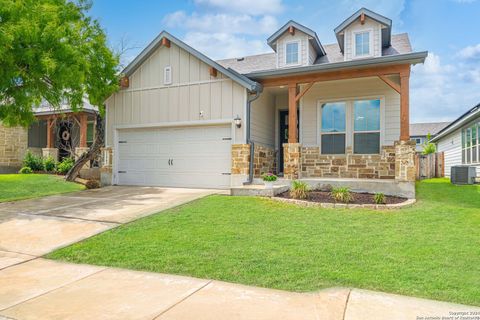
x,y
358,198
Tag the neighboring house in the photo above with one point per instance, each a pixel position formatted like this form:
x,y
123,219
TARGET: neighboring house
x,y
57,132
460,141
420,131
184,120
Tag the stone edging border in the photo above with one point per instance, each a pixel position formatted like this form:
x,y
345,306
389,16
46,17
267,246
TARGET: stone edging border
x,y
407,203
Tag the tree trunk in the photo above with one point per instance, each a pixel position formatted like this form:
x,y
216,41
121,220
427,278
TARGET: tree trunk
x,y
91,153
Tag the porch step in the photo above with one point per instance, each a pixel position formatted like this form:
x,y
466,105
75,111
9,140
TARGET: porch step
x,y
258,190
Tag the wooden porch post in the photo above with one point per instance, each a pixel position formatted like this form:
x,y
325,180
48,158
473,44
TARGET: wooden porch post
x,y
404,105
292,113
50,135
83,130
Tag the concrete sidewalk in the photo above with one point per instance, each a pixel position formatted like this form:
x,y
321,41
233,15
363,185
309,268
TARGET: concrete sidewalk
x,y
45,289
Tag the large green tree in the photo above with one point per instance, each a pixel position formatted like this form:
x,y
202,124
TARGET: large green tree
x,y
51,50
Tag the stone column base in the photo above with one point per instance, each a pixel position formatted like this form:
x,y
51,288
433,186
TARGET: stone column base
x,y
78,153
50,152
405,169
291,160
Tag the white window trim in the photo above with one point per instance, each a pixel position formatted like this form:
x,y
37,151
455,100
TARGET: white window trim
x,y
463,153
320,133
349,130
370,44
299,62
165,80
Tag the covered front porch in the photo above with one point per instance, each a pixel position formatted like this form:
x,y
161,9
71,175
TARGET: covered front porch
x,y
350,147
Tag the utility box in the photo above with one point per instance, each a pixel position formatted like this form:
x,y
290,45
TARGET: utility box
x,y
463,175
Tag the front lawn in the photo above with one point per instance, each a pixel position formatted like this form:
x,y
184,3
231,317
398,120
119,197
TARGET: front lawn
x,y
23,186
431,250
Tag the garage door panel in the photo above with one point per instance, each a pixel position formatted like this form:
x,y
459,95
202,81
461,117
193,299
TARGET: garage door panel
x,y
201,157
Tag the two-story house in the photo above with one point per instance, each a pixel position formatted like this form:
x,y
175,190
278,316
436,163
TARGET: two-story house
x,y
306,110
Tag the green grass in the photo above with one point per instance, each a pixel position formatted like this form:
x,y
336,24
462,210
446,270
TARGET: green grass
x,y
430,250
24,186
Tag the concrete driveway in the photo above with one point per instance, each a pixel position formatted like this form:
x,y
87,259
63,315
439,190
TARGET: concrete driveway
x,y
30,228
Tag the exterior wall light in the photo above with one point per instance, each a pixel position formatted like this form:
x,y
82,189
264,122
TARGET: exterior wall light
x,y
238,121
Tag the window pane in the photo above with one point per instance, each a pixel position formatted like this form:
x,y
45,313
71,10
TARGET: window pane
x,y
37,134
292,52
367,115
362,41
474,154
333,117
469,159
333,143
366,143
468,137
474,135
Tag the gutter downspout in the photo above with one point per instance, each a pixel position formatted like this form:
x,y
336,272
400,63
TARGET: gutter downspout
x,y
249,141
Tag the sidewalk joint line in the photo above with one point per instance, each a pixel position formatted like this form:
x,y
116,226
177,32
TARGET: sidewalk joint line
x,y
346,304
19,263
49,291
181,300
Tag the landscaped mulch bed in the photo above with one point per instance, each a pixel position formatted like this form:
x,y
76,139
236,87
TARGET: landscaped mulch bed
x,y
358,198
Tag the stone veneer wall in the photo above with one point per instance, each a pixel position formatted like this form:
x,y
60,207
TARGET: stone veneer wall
x,y
240,158
13,145
291,160
405,167
375,166
263,160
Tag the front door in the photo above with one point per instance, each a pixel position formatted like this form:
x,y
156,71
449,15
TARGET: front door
x,y
284,134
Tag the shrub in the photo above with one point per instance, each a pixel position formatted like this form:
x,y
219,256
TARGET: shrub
x,y
341,194
379,198
92,184
65,165
429,147
269,177
35,163
25,170
299,190
49,164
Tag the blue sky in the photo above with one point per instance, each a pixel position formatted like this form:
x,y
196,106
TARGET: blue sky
x,y
442,89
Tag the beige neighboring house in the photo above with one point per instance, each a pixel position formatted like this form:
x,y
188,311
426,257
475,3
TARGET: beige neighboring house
x,y
182,119
56,132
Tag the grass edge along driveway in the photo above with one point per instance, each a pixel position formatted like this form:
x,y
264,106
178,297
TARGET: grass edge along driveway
x,y
430,250
25,186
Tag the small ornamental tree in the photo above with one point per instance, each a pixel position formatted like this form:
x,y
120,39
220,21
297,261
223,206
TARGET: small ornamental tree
x,y
429,147
51,50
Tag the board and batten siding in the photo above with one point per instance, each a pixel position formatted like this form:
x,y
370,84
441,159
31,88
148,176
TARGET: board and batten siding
x,y
350,90
263,119
369,25
193,91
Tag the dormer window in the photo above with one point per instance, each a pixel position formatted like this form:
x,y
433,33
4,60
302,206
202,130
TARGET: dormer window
x,y
362,43
292,52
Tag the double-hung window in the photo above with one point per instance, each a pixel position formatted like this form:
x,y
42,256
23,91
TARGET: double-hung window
x,y
471,144
366,126
362,44
291,53
333,129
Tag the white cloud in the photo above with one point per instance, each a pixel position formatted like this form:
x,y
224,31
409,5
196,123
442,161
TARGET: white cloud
x,y
224,45
442,92
470,53
221,22
251,7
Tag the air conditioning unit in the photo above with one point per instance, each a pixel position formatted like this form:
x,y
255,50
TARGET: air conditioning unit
x,y
463,175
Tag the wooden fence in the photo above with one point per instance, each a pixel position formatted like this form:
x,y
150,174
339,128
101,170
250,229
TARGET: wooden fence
x,y
430,165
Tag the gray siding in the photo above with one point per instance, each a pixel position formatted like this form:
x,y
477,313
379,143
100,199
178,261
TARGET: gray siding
x,y
370,25
263,120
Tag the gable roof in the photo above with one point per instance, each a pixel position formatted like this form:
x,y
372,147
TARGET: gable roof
x,y
423,129
457,123
386,32
267,61
271,41
147,52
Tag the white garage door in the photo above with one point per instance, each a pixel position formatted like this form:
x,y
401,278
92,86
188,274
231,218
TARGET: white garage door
x,y
195,157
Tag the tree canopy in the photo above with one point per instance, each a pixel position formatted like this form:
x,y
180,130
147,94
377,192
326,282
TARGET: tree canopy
x,y
51,50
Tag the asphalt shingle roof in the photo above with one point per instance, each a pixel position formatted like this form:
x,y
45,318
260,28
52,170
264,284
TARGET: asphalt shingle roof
x,y
267,61
422,129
